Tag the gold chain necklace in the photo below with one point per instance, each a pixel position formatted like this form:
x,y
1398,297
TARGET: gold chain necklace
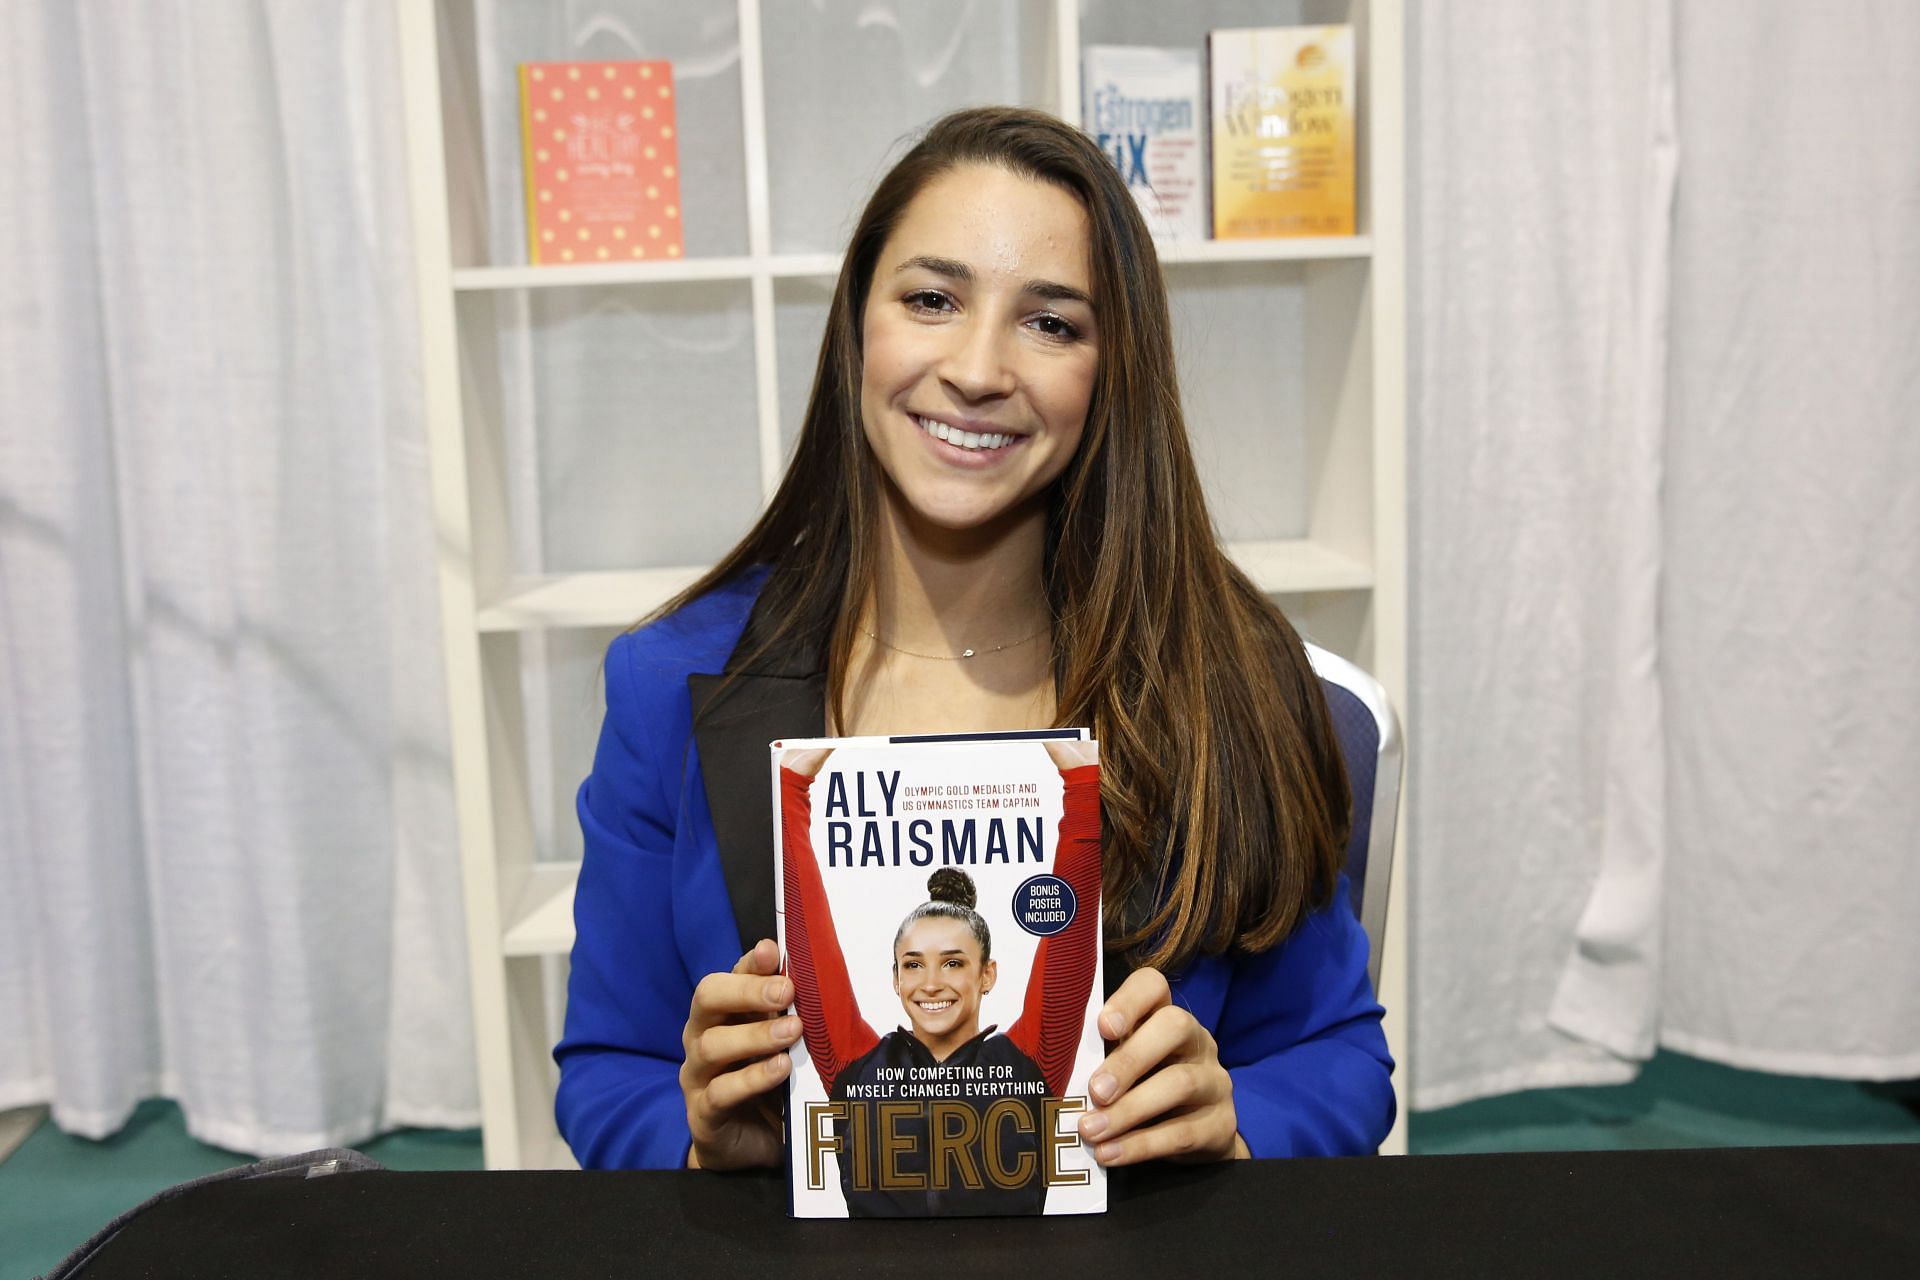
x,y
953,657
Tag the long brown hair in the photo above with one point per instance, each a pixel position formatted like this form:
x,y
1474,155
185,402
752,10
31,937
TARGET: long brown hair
x,y
1222,787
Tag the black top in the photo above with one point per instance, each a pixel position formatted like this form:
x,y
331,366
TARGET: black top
x,y
1790,1211
990,1156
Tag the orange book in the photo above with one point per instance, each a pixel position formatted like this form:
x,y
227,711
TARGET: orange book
x,y
1283,125
601,156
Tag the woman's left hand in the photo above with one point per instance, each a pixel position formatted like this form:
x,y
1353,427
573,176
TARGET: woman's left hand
x,y
1161,1093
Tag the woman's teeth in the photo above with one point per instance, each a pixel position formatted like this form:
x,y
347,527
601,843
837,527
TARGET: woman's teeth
x,y
936,1006
963,439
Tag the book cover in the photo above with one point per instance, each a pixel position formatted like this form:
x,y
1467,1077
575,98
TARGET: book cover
x,y
601,158
1144,107
939,911
1281,101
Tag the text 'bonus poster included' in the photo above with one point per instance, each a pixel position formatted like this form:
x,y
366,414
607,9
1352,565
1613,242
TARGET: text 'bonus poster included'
x,y
601,156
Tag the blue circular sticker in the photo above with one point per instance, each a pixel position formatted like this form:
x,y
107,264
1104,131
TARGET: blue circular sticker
x,y
1044,905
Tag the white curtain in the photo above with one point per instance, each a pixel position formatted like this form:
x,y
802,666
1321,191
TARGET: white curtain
x,y
1791,613
227,860
1666,517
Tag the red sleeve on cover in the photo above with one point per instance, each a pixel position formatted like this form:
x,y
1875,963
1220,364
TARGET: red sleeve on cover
x,y
836,1034
1048,1030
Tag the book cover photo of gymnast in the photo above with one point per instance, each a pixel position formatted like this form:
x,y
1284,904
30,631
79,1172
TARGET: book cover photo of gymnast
x,y
940,916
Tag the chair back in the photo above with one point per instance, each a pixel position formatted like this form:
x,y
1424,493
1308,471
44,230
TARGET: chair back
x,y
1370,743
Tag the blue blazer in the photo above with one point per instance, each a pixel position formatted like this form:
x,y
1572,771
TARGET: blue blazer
x,y
677,880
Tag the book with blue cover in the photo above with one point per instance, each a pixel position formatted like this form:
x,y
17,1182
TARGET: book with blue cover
x,y
1145,108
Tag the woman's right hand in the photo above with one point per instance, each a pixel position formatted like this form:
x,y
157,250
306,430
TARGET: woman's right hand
x,y
736,1043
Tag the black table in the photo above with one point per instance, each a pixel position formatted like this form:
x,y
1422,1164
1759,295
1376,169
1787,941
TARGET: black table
x,y
1846,1211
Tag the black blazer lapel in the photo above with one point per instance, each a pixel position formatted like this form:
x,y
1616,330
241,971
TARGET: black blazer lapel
x,y
763,694
733,734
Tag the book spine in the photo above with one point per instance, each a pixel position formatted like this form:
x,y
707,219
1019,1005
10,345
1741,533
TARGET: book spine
x,y
1208,75
530,180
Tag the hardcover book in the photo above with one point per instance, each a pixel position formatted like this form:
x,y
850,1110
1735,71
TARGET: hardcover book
x,y
939,911
1144,107
1282,122
601,159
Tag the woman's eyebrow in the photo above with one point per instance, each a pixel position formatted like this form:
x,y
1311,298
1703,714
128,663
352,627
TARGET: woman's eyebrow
x,y
954,269
1055,292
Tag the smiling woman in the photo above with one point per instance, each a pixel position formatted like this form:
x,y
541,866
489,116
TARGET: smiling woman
x,y
942,963
991,522
980,349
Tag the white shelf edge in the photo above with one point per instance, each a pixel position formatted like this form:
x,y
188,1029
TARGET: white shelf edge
x,y
804,266
600,599
618,599
1297,565
672,271
541,920
1300,249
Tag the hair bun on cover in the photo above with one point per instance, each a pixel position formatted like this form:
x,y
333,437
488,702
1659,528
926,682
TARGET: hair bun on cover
x,y
949,885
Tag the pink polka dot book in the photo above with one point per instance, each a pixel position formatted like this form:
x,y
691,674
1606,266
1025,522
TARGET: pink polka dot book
x,y
600,152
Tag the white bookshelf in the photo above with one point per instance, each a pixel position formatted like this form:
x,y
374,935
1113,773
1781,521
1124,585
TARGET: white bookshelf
x,y
1292,363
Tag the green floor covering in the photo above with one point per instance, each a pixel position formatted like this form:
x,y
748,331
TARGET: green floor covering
x,y
56,1190
1676,1102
